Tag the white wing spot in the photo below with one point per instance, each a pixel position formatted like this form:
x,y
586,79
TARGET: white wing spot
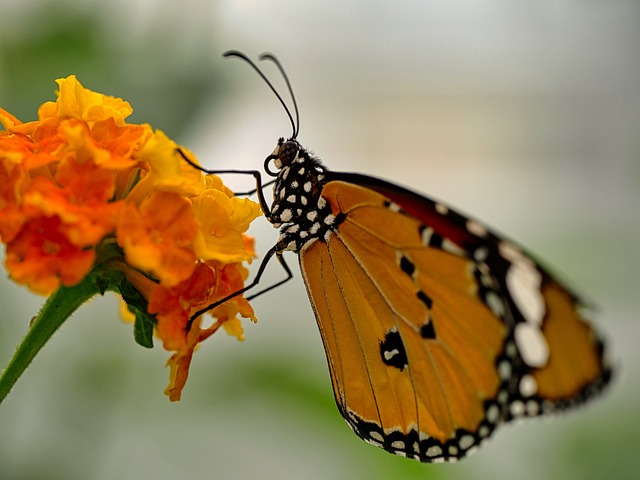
x,y
527,386
495,304
517,408
307,187
442,209
533,408
398,444
394,207
466,442
434,451
532,345
389,354
449,246
481,254
504,370
312,215
524,282
493,412
477,228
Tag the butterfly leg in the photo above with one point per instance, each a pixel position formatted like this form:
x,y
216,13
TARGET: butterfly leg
x,y
277,284
256,175
254,190
263,265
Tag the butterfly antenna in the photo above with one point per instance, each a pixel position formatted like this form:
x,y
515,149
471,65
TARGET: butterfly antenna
x,y
242,56
271,57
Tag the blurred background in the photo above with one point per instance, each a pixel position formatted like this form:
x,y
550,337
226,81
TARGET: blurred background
x,y
524,114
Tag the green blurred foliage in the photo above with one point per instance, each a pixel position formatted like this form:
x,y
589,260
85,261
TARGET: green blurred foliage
x,y
165,86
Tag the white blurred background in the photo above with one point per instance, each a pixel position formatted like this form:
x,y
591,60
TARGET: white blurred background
x,y
525,115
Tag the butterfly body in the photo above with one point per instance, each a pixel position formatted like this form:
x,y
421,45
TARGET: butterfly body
x,y
436,330
298,208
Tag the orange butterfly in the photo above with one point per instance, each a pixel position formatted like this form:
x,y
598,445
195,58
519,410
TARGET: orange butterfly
x,y
436,330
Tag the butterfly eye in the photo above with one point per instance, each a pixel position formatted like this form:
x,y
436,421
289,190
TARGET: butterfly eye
x,y
288,152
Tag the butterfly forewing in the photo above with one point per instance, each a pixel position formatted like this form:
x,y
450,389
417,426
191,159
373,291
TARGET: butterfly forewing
x,y
407,318
576,368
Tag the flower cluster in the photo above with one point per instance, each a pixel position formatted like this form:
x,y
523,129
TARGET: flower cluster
x,y
81,188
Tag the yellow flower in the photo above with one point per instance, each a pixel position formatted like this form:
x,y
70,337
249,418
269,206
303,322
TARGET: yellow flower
x,y
81,188
223,219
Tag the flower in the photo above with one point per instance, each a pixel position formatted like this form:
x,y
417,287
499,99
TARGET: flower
x,y
82,190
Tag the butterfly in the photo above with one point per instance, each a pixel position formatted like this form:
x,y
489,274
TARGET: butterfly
x,y
436,329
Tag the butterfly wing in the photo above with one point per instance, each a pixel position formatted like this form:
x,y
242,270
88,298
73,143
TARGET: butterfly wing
x,y
563,362
419,330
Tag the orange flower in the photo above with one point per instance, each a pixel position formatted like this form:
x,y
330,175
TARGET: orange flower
x,y
195,293
81,188
41,256
157,236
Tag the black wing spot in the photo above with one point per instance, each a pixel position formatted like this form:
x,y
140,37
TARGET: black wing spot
x,y
424,298
436,241
407,266
392,350
427,331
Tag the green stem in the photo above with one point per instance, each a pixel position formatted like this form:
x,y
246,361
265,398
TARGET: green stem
x,y
53,314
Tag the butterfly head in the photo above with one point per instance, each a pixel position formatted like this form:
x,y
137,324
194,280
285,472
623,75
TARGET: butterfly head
x,y
283,155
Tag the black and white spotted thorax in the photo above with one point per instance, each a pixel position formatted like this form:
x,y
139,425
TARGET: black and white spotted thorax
x,y
298,208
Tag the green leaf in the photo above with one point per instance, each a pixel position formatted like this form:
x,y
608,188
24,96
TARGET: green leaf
x,y
142,327
61,305
145,322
